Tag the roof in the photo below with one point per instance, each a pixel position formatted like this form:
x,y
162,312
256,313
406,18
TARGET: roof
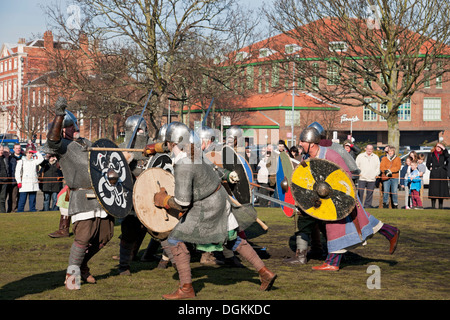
x,y
275,101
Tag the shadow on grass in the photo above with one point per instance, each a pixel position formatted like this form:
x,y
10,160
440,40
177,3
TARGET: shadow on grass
x,y
354,259
36,283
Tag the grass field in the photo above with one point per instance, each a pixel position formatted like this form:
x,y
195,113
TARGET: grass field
x,y
33,265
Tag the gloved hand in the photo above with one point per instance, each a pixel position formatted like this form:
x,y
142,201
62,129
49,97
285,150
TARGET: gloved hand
x,y
60,106
153,148
161,198
233,177
19,185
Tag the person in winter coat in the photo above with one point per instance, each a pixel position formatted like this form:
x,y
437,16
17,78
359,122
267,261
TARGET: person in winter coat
x,y
437,163
390,166
4,180
27,178
13,198
51,182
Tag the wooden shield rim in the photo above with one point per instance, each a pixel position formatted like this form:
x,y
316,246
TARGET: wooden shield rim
x,y
127,168
297,203
168,183
289,212
241,160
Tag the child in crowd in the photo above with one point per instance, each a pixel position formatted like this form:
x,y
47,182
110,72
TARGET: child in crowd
x,y
415,184
405,172
422,167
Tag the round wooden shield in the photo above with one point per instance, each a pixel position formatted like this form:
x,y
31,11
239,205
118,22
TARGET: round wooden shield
x,y
323,190
111,179
232,161
285,169
161,160
158,221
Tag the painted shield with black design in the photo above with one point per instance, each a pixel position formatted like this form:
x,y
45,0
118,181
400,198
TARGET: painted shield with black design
x,y
232,161
323,190
285,168
161,160
111,179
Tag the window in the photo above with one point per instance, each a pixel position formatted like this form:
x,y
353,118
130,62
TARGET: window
x,y
275,75
404,111
291,48
439,77
315,79
260,80
240,56
337,46
333,76
383,108
431,109
368,114
290,117
15,89
250,77
426,83
439,82
265,52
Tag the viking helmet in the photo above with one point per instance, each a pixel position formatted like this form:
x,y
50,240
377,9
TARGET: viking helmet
x,y
178,133
133,121
206,133
318,127
310,135
161,136
70,120
234,135
234,132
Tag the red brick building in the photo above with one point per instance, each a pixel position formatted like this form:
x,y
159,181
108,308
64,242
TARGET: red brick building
x,y
271,81
26,100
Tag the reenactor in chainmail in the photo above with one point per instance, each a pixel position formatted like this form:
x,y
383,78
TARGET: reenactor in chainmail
x,y
208,139
204,211
93,227
133,231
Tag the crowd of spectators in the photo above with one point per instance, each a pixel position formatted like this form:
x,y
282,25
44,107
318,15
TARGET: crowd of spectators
x,y
24,173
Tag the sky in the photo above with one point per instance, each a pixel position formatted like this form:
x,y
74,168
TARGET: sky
x,y
26,19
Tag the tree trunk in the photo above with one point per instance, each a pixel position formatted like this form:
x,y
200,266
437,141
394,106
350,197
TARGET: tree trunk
x,y
393,130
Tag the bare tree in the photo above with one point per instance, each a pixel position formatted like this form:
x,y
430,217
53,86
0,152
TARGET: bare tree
x,y
147,41
356,53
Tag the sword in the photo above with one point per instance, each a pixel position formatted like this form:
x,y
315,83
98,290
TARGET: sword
x,y
207,112
263,196
140,119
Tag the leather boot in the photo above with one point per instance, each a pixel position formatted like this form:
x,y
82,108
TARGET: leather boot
x,y
125,257
299,258
267,278
63,230
86,275
182,258
186,291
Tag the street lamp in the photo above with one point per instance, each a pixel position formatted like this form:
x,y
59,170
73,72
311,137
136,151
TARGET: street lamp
x,y
293,100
